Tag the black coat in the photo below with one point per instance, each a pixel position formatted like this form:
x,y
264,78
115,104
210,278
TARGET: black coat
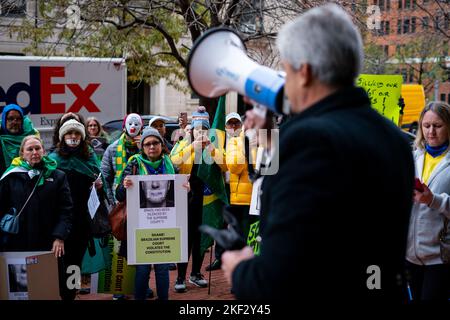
x,y
47,216
2,162
339,203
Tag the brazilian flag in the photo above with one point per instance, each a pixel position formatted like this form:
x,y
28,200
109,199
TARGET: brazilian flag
x,y
214,196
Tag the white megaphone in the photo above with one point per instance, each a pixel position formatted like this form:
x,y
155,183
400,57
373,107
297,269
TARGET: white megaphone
x,y
218,63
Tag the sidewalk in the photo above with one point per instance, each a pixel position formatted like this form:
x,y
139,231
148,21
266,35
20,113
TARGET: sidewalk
x,y
220,289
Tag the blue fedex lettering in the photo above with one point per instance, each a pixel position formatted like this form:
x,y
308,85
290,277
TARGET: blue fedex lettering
x,y
33,89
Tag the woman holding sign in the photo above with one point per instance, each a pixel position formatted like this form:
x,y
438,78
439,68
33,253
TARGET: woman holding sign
x,y
150,160
39,193
79,162
429,275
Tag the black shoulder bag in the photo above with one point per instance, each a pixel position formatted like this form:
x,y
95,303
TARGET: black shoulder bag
x,y
10,221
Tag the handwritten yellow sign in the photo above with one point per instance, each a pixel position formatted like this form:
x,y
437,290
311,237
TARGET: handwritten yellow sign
x,y
384,92
253,237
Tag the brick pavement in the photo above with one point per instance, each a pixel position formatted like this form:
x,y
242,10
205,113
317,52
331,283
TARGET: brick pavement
x,y
220,289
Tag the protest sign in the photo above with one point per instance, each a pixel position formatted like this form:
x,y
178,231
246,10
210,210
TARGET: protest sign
x,y
157,219
384,93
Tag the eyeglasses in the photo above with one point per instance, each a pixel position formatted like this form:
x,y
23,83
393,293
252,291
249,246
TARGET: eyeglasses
x,y
11,119
93,125
151,144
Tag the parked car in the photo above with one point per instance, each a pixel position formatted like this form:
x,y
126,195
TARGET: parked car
x,y
114,127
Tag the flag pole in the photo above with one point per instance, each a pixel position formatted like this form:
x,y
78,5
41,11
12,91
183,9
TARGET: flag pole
x,y
210,263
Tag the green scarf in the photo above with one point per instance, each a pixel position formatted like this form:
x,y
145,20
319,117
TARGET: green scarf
x,y
11,143
121,157
89,167
19,165
141,160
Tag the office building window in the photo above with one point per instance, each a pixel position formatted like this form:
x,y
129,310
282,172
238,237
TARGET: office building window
x,y
437,22
388,5
443,96
387,26
406,26
400,4
399,26
411,75
381,30
413,24
425,23
13,8
404,74
407,4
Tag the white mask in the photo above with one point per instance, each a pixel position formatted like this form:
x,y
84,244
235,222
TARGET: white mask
x,y
73,142
133,125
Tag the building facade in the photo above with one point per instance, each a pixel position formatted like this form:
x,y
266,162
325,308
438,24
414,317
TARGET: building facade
x,y
413,35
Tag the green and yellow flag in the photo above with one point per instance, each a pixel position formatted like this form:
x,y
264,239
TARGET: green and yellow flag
x,y
214,196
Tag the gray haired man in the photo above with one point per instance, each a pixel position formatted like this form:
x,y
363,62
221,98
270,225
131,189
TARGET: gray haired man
x,y
334,218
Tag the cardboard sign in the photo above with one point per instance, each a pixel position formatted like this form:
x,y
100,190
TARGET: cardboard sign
x,y
29,276
384,92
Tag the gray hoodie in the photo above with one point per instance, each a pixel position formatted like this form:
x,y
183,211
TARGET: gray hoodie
x,y
426,222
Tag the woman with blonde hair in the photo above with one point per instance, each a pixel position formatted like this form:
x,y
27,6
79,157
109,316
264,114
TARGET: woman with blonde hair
x,y
98,138
429,276
45,220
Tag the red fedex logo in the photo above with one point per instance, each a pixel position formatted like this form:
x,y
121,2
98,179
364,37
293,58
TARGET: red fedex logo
x,y
40,90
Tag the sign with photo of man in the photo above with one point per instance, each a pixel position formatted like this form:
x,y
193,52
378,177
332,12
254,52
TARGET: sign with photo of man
x,y
157,219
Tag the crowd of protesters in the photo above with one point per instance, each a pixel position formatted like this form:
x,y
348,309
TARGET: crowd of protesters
x,y
345,178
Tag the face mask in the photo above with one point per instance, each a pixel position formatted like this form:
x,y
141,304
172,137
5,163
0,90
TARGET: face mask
x,y
72,142
133,125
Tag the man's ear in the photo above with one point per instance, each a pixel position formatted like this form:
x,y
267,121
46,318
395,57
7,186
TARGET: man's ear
x,y
305,76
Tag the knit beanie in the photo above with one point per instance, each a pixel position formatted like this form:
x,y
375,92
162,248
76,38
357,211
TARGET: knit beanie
x,y
149,131
70,125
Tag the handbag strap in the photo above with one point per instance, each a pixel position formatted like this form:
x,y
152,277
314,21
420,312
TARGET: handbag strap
x,y
133,169
32,191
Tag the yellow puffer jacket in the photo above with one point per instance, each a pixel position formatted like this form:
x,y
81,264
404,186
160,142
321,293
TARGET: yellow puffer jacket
x,y
182,157
240,185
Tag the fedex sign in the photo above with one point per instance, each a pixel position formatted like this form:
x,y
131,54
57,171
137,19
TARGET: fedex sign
x,y
47,87
40,90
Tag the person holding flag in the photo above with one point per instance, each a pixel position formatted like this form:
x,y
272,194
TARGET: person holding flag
x,y
202,156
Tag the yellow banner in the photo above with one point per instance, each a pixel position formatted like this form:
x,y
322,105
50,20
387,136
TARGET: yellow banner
x,y
118,279
384,92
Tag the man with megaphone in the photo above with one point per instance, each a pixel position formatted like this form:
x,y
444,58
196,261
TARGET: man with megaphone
x,y
334,217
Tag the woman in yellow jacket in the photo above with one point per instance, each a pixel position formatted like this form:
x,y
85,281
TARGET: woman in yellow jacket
x,y
186,156
240,184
